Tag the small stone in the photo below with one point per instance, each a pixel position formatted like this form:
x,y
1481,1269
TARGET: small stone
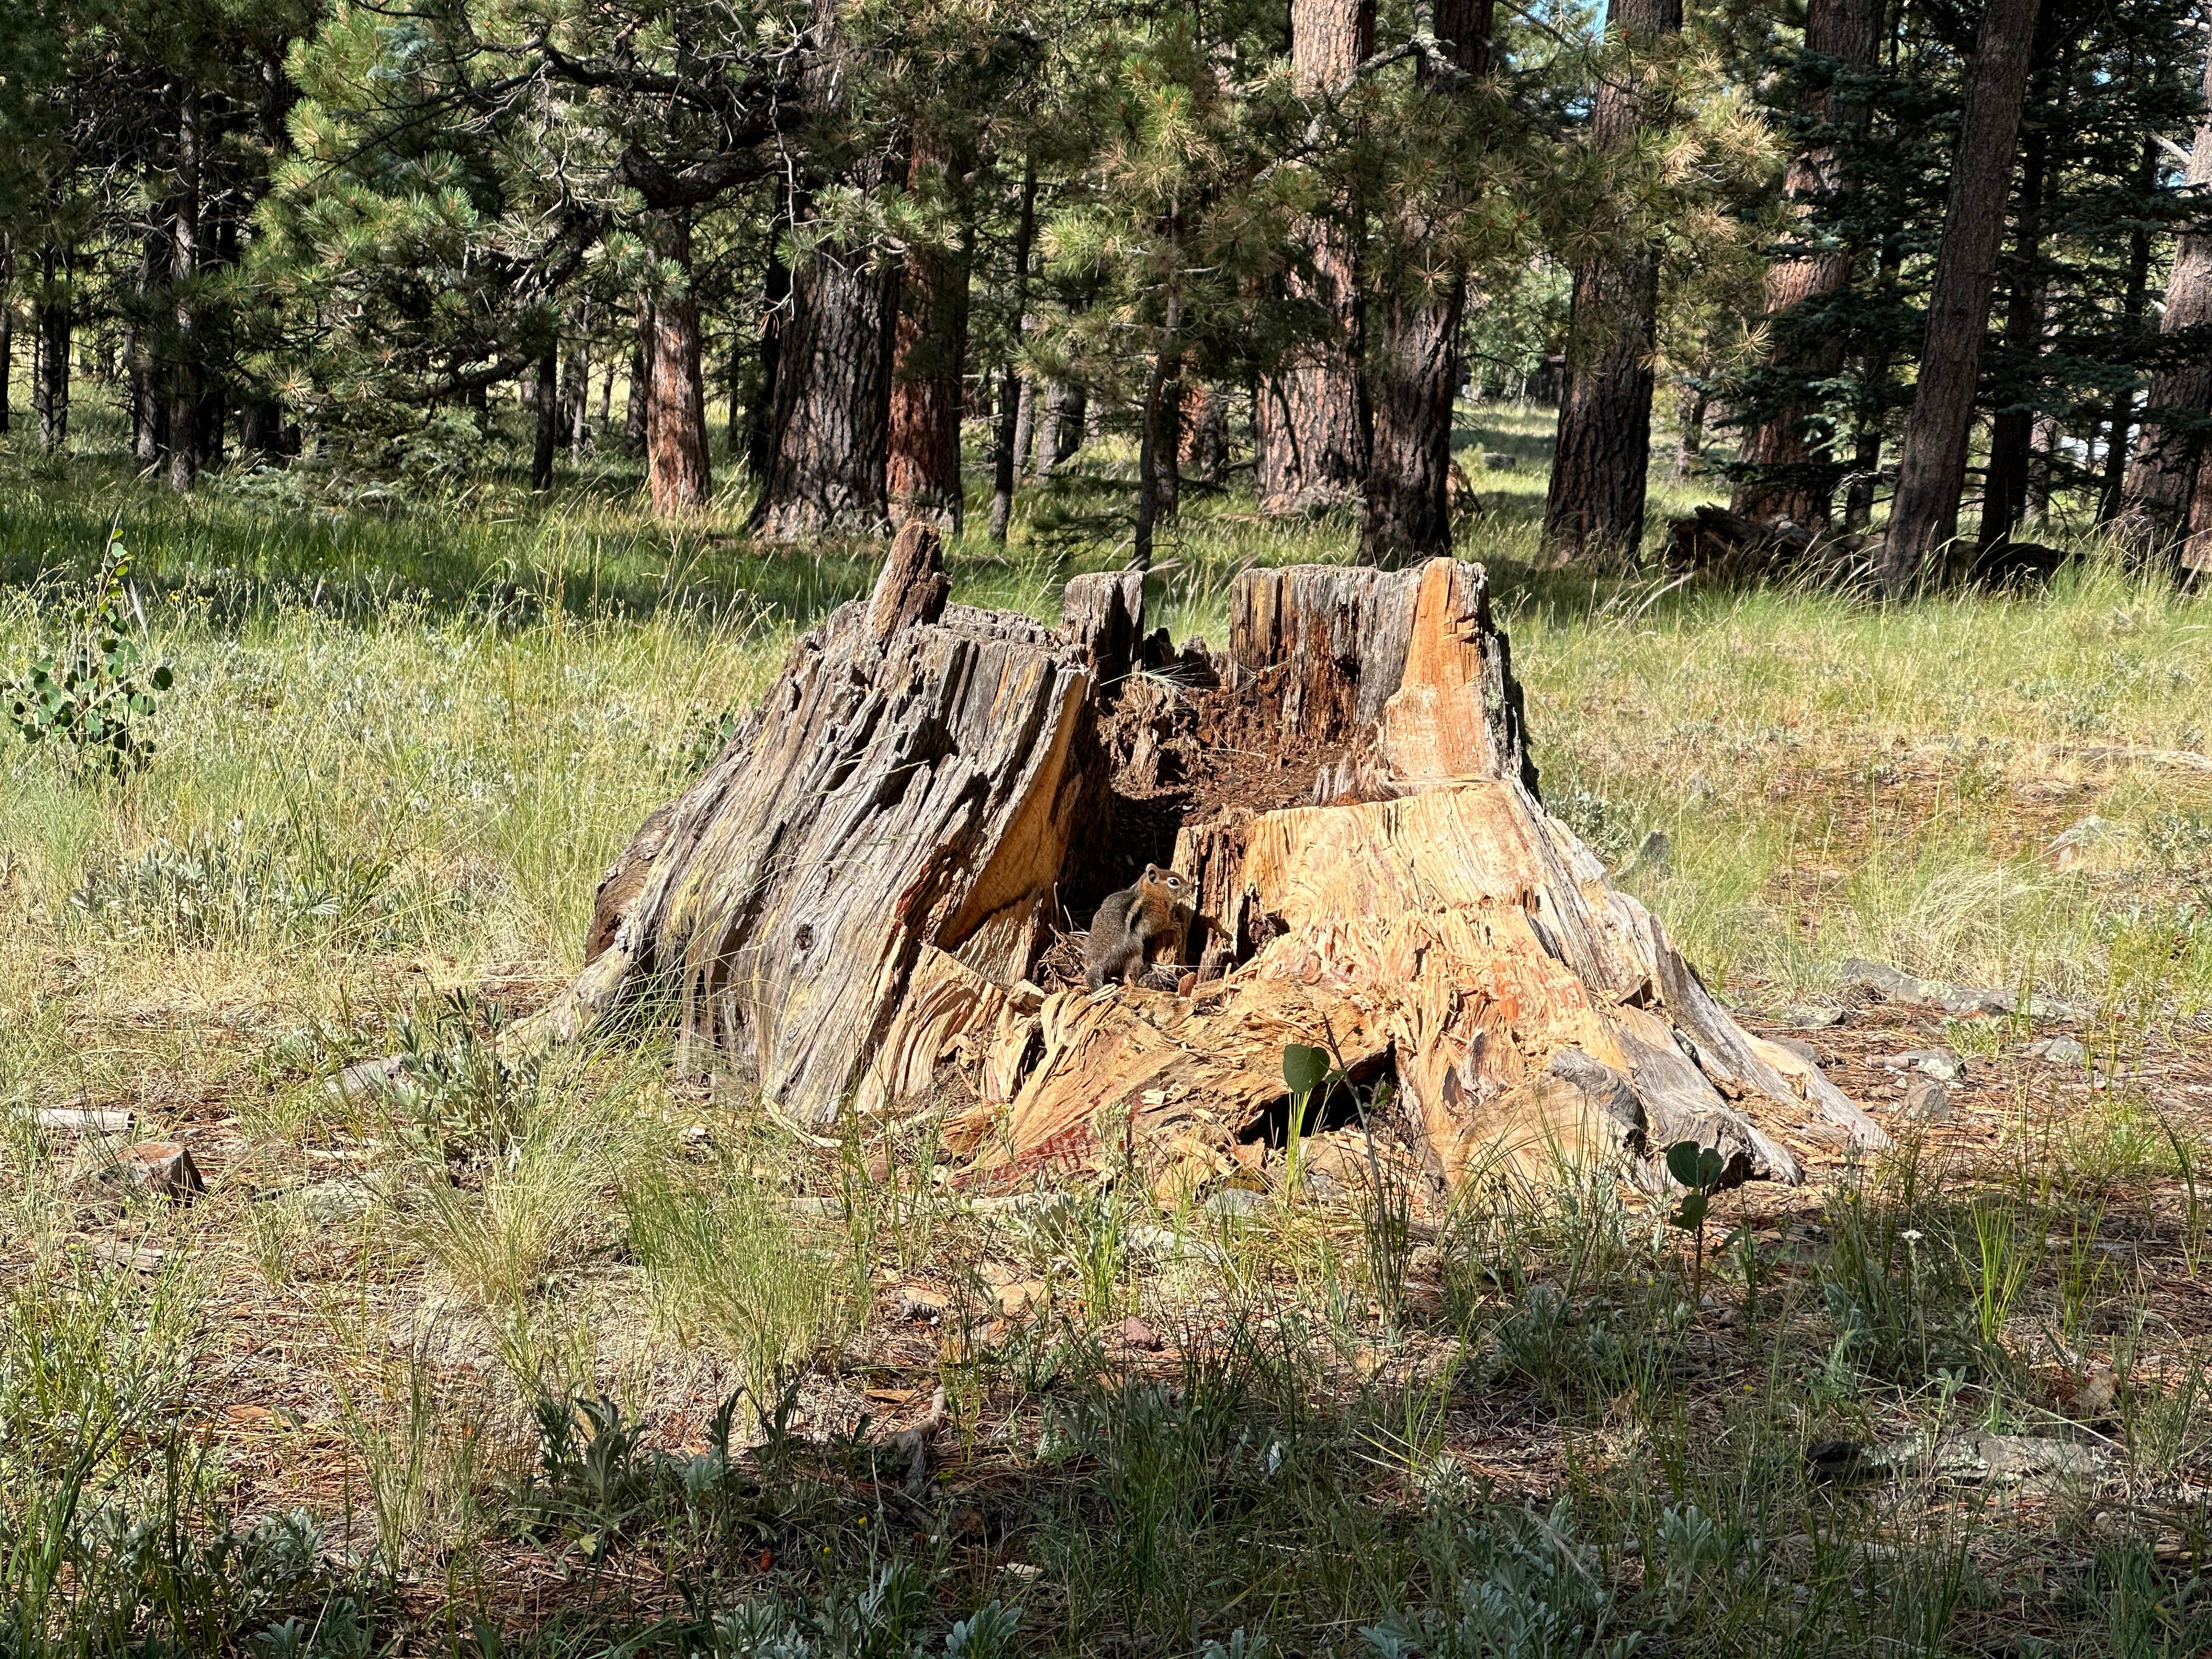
x,y
1804,1051
697,1134
335,1201
1965,1001
1805,1017
1137,1334
1018,1298
2058,1051
1894,983
164,1168
77,1121
2070,847
1498,460
116,1253
368,1077
1236,1201
1926,1100
1939,1063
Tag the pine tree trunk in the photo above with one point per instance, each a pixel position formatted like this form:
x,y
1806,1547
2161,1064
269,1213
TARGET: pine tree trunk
x,y
826,474
1064,406
1690,445
1414,373
641,383
50,386
1795,479
1203,446
576,391
1416,366
2113,493
1025,426
2043,444
2155,507
1931,472
775,300
548,437
1156,482
1009,453
827,466
679,476
1593,507
2012,431
1310,421
928,351
183,269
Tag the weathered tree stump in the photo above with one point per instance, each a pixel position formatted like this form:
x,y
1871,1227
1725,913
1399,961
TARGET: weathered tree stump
x,y
858,903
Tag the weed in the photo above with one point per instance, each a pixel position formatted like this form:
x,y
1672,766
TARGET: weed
x,y
94,698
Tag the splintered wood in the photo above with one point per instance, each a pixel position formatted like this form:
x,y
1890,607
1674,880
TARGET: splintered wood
x,y
850,903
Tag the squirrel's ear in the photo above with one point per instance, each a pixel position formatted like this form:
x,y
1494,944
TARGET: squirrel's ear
x,y
1151,869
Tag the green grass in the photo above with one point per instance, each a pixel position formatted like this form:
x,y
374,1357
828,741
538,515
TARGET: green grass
x,y
476,1333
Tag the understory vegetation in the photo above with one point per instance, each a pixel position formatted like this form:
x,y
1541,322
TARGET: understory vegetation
x,y
581,1357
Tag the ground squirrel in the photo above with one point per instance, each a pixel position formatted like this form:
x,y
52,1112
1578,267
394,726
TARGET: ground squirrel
x,y
1131,922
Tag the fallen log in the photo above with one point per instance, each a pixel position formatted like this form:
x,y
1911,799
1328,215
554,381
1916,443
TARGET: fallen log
x,y
867,903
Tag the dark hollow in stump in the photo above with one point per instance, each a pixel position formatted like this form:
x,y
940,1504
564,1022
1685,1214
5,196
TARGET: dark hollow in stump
x,y
853,902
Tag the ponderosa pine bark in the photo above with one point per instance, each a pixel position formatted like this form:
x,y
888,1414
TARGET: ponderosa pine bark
x,y
679,477
1931,473
1415,372
1595,503
826,471
1309,420
928,350
2158,507
1794,483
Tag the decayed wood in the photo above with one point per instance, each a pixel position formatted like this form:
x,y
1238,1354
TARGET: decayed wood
x,y
1446,927
1102,612
897,793
852,902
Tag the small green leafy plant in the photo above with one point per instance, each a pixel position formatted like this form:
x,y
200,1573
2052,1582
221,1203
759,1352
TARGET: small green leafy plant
x,y
1698,1170
94,698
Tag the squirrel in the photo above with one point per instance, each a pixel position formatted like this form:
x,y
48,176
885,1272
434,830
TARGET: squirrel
x,y
1130,922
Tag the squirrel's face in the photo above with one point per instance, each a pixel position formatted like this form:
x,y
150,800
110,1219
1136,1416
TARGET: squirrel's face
x,y
1166,878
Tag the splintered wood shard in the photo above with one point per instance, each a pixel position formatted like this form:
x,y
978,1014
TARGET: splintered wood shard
x,y
852,901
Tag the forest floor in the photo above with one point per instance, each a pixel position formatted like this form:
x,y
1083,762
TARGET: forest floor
x,y
440,1372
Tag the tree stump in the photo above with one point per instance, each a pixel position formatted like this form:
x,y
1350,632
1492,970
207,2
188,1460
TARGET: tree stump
x,y
861,902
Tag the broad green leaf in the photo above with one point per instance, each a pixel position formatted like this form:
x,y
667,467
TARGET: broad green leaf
x,y
1304,1067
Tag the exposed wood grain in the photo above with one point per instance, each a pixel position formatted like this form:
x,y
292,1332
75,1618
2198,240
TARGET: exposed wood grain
x,y
850,903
